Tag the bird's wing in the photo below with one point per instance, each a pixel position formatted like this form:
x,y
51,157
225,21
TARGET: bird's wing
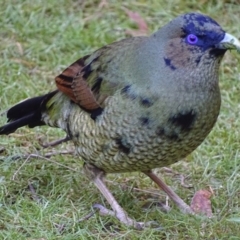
x,y
88,81
73,82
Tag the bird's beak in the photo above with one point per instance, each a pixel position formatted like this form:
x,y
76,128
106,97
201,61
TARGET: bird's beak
x,y
229,42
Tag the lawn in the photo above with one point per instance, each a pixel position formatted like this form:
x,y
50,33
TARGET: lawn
x,y
48,197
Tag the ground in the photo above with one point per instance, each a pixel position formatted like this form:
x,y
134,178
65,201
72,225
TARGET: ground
x,y
48,198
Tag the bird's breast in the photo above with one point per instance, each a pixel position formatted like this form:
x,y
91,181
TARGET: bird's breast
x,y
134,135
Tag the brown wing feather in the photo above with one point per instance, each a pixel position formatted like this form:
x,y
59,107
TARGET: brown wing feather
x,y
65,79
72,82
83,94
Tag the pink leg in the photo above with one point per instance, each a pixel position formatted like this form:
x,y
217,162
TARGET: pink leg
x,y
97,177
172,195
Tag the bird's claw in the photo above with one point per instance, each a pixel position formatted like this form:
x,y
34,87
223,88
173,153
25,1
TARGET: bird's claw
x,y
122,217
103,211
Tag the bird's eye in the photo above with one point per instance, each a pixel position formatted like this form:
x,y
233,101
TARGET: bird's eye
x,y
192,39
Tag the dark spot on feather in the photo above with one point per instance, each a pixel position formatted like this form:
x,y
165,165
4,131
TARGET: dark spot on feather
x,y
144,121
96,112
69,130
50,106
216,52
128,92
169,64
110,60
126,89
146,102
65,85
184,120
160,131
87,71
123,146
197,61
171,135
97,85
65,78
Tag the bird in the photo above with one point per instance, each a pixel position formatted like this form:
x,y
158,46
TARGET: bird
x,y
136,104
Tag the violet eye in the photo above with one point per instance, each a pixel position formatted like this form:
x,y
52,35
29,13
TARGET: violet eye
x,y
192,39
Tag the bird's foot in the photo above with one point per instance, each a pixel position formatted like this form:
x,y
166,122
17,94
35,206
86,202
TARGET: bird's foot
x,y
123,218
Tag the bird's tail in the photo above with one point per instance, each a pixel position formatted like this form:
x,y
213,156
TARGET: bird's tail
x,y
28,112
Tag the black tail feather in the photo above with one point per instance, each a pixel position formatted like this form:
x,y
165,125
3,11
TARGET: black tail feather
x,y
25,113
14,125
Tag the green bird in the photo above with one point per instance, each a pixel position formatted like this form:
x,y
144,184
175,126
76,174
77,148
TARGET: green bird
x,y
137,104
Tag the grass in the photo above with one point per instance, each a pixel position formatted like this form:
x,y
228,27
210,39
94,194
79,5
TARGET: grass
x,y
38,40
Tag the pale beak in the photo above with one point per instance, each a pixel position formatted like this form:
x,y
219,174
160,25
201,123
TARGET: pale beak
x,y
229,42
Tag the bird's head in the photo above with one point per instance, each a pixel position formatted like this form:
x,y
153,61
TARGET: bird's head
x,y
194,39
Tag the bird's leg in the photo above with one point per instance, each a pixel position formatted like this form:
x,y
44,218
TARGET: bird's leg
x,y
97,176
117,209
172,195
